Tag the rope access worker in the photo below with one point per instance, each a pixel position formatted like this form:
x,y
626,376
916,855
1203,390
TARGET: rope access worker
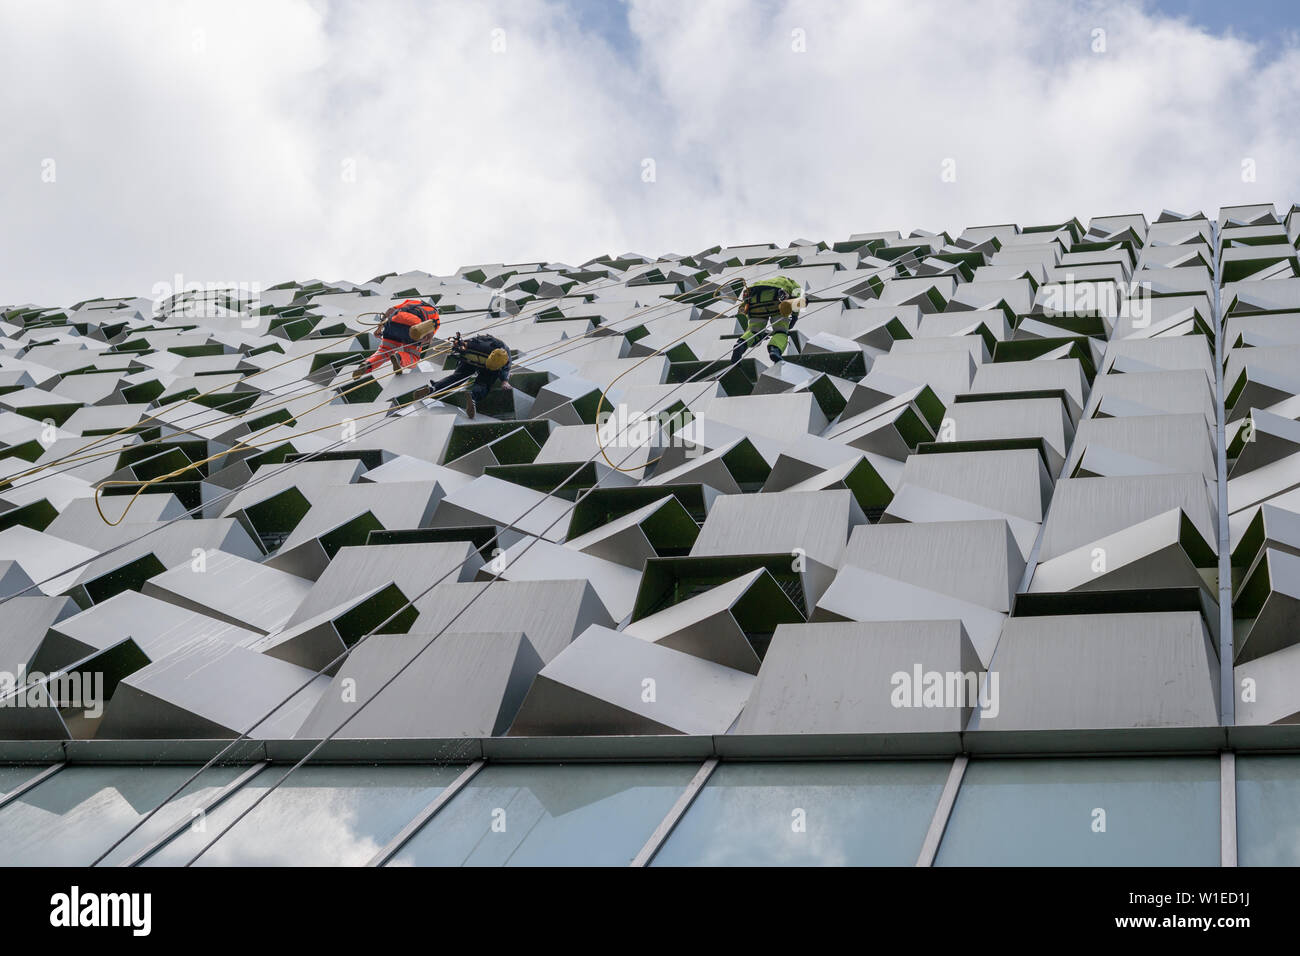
x,y
772,301
484,356
407,327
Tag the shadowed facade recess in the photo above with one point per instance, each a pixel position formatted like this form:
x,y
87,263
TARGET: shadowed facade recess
x,y
1026,490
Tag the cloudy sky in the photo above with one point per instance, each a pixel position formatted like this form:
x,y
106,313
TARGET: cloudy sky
x,y
295,139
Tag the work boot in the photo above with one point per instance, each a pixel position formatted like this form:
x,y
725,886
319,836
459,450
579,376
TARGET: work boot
x,y
358,372
469,406
396,363
774,353
422,392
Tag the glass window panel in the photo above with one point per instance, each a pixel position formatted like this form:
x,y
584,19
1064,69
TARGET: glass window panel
x,y
550,815
11,778
1158,811
808,814
1268,795
71,818
320,816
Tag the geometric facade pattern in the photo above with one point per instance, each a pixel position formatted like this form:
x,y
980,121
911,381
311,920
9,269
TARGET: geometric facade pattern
x,y
1020,490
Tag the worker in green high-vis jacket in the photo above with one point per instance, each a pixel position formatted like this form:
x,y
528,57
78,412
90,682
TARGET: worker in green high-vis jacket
x,y
775,301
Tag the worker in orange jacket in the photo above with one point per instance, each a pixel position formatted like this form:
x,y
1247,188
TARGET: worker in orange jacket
x,y
408,326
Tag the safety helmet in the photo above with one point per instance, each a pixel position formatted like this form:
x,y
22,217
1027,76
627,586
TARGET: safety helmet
x,y
497,359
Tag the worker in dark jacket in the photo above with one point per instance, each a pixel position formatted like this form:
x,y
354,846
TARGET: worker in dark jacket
x,y
484,356
407,327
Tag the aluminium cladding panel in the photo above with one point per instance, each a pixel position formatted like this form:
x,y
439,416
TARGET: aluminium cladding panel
x,y
1161,552
534,559
233,589
938,325
320,642
1271,438
1276,623
158,628
166,545
551,613
607,682
1099,671
405,468
1045,418
420,685
862,677
976,561
913,503
344,514
1274,483
394,505
655,399
270,480
1017,293
627,443
781,418
1085,509
948,373
1161,317
1274,328
1265,294
1181,443
1271,526
14,581
55,488
488,500
45,557
26,621
1185,391
709,624
1151,355
77,520
358,570
858,595
811,457
816,523
1270,688
1014,481
629,540
1275,363
209,688
1110,225
973,345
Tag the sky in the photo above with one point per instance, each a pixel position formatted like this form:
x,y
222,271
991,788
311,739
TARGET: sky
x,y
149,145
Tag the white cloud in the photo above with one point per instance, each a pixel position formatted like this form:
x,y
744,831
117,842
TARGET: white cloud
x,y
211,139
